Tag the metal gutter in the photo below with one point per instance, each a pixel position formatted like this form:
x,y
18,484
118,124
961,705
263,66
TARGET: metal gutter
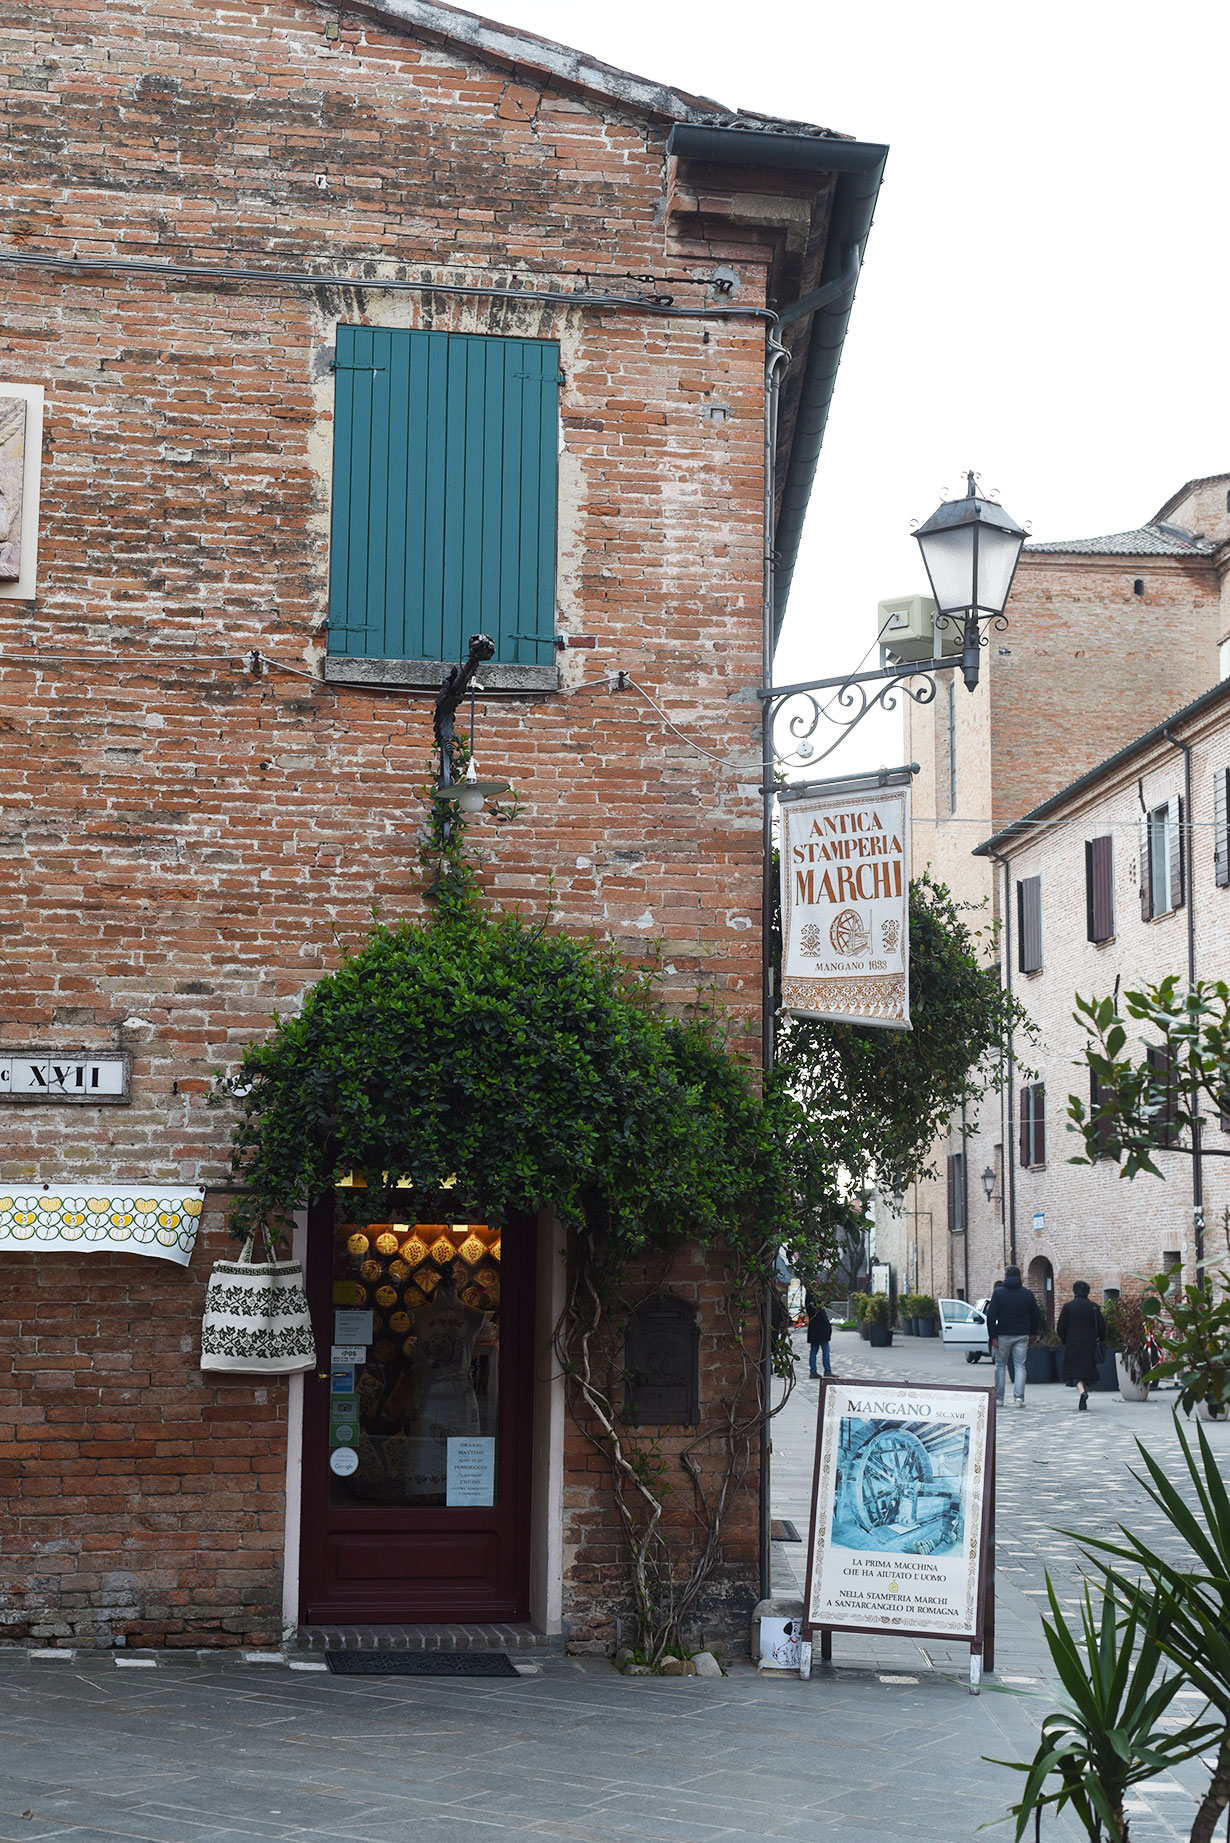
x,y
1159,733
1009,1089
859,167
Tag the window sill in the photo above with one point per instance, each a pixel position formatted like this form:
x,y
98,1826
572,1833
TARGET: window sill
x,y
429,674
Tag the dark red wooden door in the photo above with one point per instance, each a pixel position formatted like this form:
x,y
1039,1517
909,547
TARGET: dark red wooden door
x,y
416,1436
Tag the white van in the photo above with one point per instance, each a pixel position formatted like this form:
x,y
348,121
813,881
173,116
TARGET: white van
x,y
964,1327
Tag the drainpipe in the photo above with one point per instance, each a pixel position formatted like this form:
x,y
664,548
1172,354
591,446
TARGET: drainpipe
x,y
1189,893
776,360
1010,1086
964,1206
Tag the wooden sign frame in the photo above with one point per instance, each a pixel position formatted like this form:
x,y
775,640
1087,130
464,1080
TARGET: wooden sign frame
x,y
843,1482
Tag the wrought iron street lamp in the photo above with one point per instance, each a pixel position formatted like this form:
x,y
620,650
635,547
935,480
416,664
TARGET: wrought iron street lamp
x,y
970,548
988,1182
469,793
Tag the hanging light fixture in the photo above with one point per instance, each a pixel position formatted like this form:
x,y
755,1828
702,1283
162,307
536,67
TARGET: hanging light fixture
x,y
471,793
970,548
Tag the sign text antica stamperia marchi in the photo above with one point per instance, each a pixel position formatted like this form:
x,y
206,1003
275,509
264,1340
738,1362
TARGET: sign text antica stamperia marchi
x,y
64,1075
845,905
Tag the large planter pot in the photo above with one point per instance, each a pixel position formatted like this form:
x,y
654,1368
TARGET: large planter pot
x,y
1205,1413
863,1327
1129,1387
910,1327
1039,1364
1107,1375
926,1326
879,1337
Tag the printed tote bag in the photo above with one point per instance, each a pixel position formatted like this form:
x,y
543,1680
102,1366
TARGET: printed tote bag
x,y
256,1317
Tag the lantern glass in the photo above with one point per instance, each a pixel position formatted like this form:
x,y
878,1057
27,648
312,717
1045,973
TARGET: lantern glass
x,y
949,558
997,555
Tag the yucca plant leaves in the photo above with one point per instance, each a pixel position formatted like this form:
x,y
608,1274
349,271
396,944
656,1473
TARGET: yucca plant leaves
x,y
1105,1738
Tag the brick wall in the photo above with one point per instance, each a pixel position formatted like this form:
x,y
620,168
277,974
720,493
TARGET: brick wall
x,y
186,846
596,1587
115,1449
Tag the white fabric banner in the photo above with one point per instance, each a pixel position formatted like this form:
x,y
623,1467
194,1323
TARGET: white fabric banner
x,y
137,1218
845,865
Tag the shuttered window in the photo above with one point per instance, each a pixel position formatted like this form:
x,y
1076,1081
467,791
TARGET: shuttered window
x,y
444,495
1163,867
1033,1124
1221,826
1165,1076
1103,1129
1029,920
1099,888
956,1193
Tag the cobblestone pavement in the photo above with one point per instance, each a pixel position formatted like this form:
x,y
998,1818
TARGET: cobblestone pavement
x,y
886,1745
1057,1470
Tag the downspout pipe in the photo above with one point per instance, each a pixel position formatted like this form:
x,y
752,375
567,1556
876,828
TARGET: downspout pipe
x,y
1189,893
1010,1086
858,167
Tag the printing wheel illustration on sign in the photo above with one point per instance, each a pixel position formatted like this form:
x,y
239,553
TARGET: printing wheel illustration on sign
x,y
899,1487
848,933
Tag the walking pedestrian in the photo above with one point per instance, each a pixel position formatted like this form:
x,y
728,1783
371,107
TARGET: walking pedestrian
x,y
1012,1319
819,1334
1081,1329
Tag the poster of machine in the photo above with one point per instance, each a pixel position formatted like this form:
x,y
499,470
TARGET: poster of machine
x,y
900,1506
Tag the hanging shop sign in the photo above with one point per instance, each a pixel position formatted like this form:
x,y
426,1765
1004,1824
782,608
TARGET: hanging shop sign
x,y
902,1505
36,1075
157,1219
846,900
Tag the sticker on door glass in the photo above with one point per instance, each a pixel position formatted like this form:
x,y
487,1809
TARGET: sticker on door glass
x,y
352,1326
344,1460
471,1472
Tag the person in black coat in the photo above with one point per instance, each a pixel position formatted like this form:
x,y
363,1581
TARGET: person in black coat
x,y
1081,1329
1012,1319
819,1334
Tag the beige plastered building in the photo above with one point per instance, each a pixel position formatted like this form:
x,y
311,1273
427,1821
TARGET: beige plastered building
x,y
1106,639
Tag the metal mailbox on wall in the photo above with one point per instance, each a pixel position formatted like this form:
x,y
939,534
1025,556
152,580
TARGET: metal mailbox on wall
x,y
662,1364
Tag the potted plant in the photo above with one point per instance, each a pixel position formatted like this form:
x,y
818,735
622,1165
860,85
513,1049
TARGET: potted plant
x,y
861,1303
926,1314
1126,1331
1040,1358
905,1313
877,1318
1192,1326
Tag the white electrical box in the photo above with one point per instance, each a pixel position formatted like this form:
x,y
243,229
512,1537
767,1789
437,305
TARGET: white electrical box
x,y
907,627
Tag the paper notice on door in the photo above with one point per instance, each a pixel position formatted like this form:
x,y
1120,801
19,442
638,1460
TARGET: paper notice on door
x,y
352,1325
471,1472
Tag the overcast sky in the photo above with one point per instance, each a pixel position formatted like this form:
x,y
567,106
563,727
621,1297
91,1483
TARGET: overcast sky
x,y
1044,297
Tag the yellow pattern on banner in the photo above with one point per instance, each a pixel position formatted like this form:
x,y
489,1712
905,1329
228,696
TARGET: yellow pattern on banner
x,y
156,1219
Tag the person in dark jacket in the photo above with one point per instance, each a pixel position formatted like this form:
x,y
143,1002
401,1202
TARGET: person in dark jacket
x,y
819,1334
1012,1319
1081,1329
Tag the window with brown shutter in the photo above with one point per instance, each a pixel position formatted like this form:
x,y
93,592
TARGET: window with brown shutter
x,y
1164,1118
1099,889
1176,854
1221,827
956,1193
1103,1129
1033,1124
1029,924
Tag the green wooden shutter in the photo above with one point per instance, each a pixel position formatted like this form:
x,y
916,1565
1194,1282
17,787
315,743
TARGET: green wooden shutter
x,y
445,456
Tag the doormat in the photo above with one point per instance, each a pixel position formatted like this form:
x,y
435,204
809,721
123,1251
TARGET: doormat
x,y
421,1664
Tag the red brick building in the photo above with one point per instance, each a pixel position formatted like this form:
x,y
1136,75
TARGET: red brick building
x,y
353,332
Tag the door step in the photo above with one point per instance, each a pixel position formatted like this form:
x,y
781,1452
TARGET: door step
x,y
317,1639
